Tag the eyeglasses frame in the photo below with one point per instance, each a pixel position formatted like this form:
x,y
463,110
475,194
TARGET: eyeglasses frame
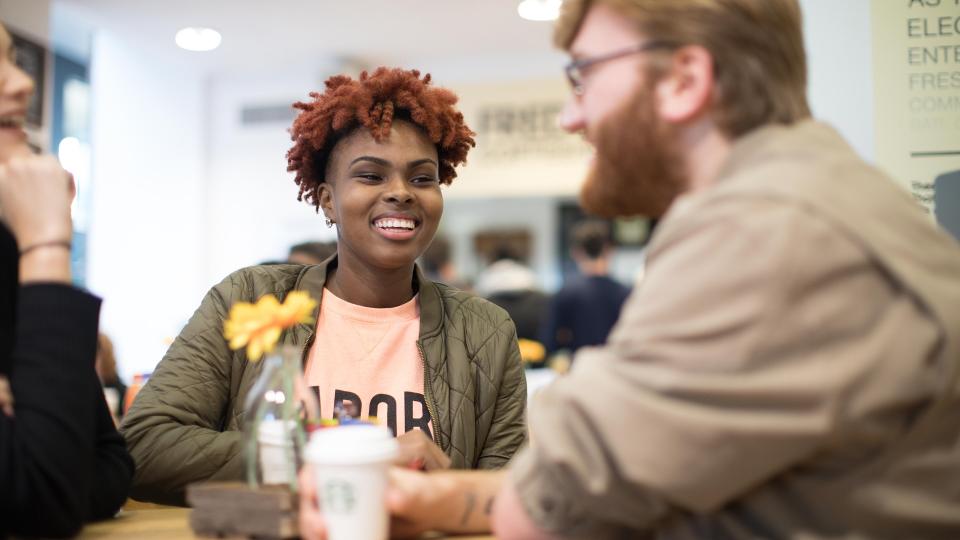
x,y
575,68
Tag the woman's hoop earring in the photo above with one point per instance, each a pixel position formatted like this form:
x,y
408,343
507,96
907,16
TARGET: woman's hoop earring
x,y
330,222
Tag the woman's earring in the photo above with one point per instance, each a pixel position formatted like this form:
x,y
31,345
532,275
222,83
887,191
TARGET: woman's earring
x,y
330,222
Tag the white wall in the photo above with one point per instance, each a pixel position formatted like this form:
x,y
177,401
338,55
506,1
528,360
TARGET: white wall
x,y
839,58
145,245
252,213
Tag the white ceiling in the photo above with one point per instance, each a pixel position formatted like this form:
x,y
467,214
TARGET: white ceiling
x,y
262,35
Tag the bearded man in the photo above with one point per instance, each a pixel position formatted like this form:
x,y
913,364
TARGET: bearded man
x,y
789,366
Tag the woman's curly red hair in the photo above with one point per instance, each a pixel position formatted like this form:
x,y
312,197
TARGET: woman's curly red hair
x,y
373,101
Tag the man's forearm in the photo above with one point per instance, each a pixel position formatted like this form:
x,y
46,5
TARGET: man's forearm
x,y
465,499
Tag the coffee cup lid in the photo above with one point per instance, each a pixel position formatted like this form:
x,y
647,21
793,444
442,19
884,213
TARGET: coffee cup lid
x,y
349,445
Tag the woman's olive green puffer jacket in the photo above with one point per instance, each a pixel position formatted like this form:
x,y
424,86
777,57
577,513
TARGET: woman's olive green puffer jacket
x,y
184,426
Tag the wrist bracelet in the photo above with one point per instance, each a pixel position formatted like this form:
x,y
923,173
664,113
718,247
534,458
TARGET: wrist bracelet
x,y
53,243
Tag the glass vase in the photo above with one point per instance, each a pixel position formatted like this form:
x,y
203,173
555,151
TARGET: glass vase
x,y
279,409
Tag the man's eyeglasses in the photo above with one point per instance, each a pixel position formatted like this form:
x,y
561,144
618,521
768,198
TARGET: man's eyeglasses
x,y
576,69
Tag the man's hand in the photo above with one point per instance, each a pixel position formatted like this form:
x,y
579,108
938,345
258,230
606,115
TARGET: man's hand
x,y
412,500
311,520
6,397
417,451
446,501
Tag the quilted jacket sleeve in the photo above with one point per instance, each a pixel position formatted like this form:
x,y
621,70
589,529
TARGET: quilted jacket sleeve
x,y
508,429
174,430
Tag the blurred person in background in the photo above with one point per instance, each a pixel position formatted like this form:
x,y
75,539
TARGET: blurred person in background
x,y
790,365
584,310
106,366
311,252
62,462
437,264
512,285
371,154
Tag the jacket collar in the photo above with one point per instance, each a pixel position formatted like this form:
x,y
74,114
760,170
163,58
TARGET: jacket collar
x,y
312,279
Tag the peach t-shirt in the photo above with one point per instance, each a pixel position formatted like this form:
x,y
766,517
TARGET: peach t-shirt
x,y
369,356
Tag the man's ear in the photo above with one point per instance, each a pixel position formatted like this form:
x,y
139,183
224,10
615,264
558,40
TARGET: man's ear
x,y
684,93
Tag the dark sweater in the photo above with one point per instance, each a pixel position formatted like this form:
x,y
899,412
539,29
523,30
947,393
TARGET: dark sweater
x,y
62,462
582,313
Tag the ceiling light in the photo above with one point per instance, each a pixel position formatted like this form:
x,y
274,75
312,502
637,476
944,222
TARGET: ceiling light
x,y
539,10
193,38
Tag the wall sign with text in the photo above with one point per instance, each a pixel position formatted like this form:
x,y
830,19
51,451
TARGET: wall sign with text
x,y
916,52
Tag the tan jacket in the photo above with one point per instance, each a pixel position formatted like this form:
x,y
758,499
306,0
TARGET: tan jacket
x,y
786,369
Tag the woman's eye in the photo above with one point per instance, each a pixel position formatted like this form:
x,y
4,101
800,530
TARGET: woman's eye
x,y
424,179
369,176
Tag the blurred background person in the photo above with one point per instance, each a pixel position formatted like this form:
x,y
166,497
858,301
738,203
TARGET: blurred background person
x,y
512,285
584,310
437,264
114,390
61,460
311,252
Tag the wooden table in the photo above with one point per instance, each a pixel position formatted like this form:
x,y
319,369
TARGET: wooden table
x,y
160,523
172,523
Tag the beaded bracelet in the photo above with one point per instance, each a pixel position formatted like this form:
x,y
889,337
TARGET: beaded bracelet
x,y
53,243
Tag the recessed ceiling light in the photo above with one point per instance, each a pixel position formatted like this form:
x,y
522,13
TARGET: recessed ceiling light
x,y
539,10
194,38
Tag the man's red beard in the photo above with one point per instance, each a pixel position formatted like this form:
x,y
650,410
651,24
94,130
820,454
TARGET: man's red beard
x,y
638,168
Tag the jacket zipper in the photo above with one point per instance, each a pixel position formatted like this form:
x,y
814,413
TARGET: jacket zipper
x,y
304,351
428,397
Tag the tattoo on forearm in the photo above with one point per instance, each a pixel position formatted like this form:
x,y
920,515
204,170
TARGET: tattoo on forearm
x,y
488,508
468,507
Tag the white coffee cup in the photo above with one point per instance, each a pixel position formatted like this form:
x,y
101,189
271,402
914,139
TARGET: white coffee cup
x,y
350,466
278,464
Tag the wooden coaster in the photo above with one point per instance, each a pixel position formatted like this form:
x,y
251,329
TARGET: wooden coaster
x,y
232,509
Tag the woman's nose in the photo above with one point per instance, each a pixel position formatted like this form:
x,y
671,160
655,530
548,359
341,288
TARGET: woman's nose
x,y
398,190
16,83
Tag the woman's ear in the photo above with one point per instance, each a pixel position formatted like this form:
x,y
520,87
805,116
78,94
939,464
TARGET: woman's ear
x,y
325,195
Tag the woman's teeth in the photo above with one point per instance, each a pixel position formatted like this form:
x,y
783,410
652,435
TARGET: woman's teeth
x,y
395,224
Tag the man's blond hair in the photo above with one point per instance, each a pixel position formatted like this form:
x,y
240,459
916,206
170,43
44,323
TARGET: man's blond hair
x,y
757,47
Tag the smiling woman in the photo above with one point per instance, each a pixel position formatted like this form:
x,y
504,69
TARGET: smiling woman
x,y
440,367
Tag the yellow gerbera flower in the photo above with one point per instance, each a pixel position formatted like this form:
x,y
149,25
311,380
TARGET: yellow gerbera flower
x,y
258,326
297,308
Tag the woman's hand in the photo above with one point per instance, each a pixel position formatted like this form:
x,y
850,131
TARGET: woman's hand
x,y
6,397
417,451
35,197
